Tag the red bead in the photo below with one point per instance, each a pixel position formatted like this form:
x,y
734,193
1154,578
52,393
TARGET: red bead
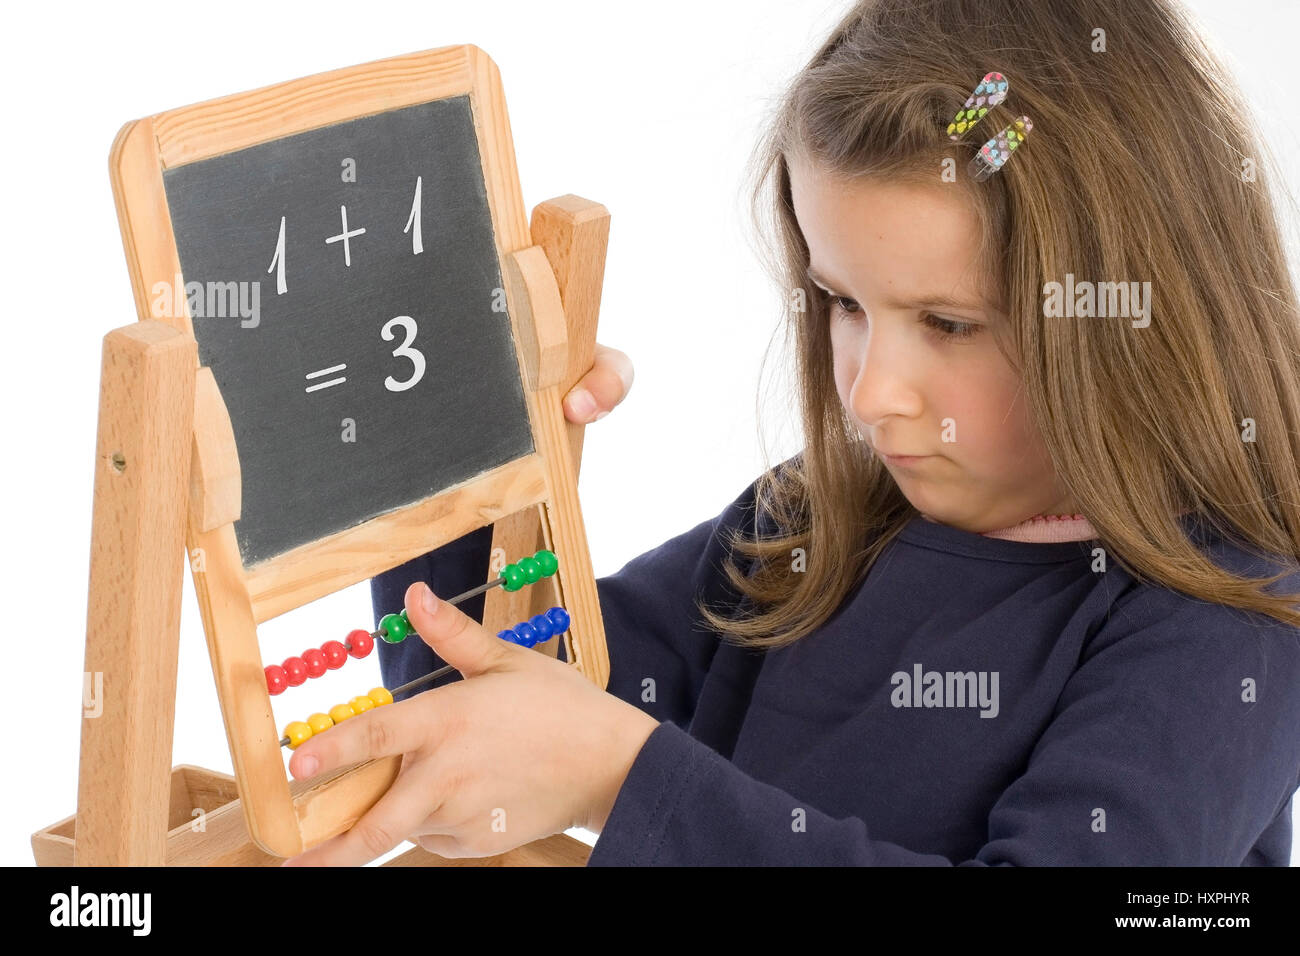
x,y
361,642
314,658
295,670
336,655
276,680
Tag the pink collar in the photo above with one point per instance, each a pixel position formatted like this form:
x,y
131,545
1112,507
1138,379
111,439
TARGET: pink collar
x,y
1044,529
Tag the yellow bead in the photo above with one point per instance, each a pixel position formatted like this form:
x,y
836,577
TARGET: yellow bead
x,y
297,732
380,696
361,704
341,712
320,723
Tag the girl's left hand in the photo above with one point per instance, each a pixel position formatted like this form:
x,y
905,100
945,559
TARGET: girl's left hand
x,y
522,748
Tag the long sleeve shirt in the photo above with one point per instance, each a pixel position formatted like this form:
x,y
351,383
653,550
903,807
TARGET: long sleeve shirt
x,y
975,701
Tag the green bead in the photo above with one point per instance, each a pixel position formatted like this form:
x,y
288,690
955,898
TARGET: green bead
x,y
393,629
547,562
405,620
532,571
514,577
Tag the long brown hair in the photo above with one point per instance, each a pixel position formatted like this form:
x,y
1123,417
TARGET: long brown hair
x,y
1134,169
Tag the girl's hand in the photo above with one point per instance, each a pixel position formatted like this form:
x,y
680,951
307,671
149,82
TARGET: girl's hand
x,y
602,388
522,748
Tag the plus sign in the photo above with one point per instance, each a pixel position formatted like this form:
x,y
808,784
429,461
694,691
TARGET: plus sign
x,y
345,236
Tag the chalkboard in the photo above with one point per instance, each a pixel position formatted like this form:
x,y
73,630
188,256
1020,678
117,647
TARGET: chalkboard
x,y
278,233
345,290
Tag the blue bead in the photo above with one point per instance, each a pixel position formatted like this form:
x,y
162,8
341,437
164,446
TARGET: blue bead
x,y
507,635
545,629
560,618
528,635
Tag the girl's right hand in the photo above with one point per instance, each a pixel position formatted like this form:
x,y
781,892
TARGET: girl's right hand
x,y
602,388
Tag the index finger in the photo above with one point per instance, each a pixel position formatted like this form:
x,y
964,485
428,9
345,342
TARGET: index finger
x,y
380,732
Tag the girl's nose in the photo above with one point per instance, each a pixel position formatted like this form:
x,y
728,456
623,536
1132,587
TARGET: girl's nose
x,y
886,382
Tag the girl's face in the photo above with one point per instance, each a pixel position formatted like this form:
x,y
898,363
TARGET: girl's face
x,y
916,365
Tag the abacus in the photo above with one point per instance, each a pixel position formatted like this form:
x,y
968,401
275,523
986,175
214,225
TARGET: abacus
x,y
170,475
541,628
393,629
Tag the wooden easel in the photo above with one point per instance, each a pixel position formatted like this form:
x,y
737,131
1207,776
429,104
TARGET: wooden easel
x,y
167,482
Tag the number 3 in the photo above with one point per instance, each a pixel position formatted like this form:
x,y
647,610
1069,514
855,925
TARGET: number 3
x,y
415,355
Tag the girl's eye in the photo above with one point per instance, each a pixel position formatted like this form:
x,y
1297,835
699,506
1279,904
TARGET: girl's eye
x,y
950,329
945,328
839,302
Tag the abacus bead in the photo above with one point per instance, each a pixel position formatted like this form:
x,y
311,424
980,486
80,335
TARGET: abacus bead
x,y
336,655
297,732
341,712
542,624
560,618
508,635
405,620
528,635
547,562
360,705
295,670
314,658
514,577
380,696
392,628
361,642
276,679
532,570
319,723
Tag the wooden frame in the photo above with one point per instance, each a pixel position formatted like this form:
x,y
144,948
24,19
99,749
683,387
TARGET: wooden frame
x,y
553,295
202,824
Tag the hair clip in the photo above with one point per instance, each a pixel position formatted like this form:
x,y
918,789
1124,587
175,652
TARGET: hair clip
x,y
994,154
991,91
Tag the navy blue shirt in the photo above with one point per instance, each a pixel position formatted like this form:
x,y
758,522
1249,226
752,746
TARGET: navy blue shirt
x,y
975,701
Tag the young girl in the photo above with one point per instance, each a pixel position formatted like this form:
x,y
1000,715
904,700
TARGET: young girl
x,y
1028,593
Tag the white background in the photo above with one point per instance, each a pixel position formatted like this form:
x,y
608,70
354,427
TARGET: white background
x,y
651,110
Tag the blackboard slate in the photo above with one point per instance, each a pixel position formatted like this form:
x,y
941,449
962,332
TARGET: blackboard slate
x,y
464,416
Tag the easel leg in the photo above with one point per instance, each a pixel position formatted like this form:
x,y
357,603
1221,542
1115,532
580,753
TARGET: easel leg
x,y
142,459
574,234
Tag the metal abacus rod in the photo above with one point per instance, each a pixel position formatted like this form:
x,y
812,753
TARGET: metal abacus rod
x,y
559,622
393,628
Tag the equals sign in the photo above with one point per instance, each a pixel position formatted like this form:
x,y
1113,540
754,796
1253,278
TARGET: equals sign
x,y
326,371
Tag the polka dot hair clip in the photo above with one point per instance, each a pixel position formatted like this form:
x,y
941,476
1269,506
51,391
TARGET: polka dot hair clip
x,y
994,154
991,91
